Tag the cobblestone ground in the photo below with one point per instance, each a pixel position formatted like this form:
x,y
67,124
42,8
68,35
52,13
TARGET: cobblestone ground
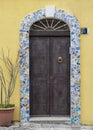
x,y
46,125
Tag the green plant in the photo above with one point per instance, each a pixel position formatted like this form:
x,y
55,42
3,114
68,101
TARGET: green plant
x,y
7,87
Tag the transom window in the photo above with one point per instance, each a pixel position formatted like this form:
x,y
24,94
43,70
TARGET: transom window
x,y
50,24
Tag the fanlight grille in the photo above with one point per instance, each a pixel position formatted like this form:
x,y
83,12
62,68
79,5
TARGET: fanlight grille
x,y
50,25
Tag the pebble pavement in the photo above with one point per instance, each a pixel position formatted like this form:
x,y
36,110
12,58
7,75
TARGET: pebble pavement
x,y
46,125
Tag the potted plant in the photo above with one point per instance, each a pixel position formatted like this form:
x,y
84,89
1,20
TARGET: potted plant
x,y
7,88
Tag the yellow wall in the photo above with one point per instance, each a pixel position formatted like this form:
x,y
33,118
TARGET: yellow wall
x,y
11,14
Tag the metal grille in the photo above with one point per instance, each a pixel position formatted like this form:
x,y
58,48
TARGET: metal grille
x,y
50,25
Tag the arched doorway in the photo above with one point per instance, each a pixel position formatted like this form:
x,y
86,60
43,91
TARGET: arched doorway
x,y
74,61
49,68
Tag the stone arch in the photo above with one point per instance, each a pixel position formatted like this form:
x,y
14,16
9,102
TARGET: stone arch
x,y
73,24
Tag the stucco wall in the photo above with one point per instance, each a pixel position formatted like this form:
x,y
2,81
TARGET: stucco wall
x,y
11,14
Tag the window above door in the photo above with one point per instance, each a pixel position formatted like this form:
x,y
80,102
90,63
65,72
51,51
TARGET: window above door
x,y
50,24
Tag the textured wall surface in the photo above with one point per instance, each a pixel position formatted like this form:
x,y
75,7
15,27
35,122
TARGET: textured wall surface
x,y
11,14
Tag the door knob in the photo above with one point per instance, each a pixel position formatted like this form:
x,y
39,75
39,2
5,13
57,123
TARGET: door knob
x,y
60,59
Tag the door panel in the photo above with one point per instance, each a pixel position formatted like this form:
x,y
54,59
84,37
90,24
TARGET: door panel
x,y
49,80
60,73
39,47
39,61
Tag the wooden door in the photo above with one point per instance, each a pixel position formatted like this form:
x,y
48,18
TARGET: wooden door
x,y
49,77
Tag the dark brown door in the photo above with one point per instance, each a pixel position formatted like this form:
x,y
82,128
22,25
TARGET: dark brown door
x,y
49,75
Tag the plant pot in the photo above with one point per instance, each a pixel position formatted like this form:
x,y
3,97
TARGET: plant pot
x,y
6,116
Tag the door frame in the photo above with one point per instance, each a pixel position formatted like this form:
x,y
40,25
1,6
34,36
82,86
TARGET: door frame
x,y
50,34
74,26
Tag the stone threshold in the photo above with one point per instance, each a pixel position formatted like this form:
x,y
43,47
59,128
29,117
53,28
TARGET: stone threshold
x,y
33,119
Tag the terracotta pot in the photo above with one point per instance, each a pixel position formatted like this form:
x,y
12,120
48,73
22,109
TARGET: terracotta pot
x,y
6,116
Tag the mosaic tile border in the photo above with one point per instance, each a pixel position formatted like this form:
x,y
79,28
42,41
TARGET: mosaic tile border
x,y
73,24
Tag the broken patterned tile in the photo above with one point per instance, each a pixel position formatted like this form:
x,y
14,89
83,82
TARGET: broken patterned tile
x,y
75,43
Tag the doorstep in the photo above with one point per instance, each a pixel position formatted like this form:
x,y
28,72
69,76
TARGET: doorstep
x,y
50,119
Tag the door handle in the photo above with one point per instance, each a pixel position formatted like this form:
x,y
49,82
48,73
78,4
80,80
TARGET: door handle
x,y
60,59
